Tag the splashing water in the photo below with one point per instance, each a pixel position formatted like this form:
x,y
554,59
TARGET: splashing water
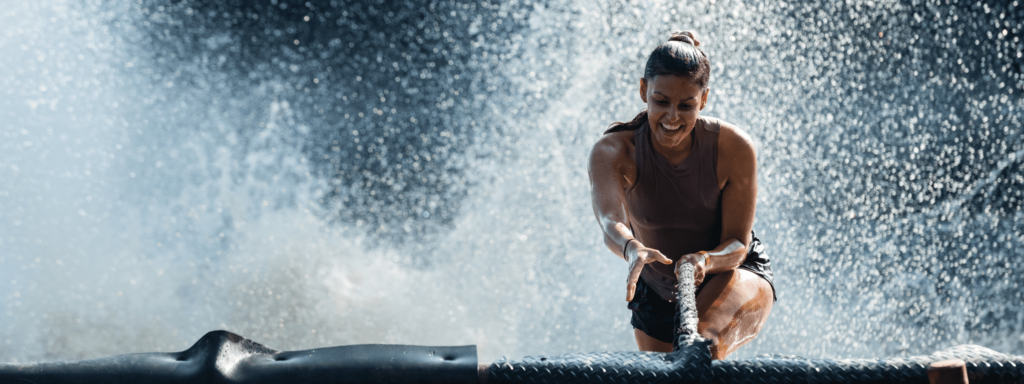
x,y
322,173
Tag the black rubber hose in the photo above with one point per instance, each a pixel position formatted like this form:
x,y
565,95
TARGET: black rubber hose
x,y
224,357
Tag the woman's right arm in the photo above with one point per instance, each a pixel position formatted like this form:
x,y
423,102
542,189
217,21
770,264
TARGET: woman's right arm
x,y
611,171
607,191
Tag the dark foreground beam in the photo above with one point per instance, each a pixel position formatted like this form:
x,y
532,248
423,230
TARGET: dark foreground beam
x,y
223,357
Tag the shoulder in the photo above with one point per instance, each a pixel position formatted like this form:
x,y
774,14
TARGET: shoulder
x,y
613,152
613,145
734,141
737,159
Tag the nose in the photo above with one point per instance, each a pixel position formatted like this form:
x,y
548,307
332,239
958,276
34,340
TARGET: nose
x,y
672,115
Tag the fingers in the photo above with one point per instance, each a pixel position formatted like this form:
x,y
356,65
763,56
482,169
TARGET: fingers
x,y
660,257
697,261
634,275
686,37
699,270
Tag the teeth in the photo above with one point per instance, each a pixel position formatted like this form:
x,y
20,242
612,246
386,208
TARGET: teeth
x,y
669,127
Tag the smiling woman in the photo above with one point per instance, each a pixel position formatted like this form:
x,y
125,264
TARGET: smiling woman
x,y
672,186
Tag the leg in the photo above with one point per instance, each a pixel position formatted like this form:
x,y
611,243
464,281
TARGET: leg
x,y
652,320
731,309
647,343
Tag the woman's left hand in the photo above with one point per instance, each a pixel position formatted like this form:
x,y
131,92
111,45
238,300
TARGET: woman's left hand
x,y
699,268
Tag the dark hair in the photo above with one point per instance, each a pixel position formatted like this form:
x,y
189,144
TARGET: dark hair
x,y
676,57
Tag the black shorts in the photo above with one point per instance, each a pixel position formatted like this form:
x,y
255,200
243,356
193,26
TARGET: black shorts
x,y
657,317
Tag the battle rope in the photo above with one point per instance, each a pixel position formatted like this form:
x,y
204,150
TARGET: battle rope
x,y
224,357
690,362
686,307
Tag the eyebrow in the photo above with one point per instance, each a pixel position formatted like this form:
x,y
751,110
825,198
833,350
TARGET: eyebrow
x,y
663,95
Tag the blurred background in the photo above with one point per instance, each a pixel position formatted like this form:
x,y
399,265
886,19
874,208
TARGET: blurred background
x,y
320,173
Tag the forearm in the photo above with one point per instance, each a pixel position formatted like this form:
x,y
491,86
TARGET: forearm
x,y
616,234
727,256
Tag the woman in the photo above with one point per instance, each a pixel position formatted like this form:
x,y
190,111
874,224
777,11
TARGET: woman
x,y
674,186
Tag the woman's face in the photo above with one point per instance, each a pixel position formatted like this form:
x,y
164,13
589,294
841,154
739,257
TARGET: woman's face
x,y
672,106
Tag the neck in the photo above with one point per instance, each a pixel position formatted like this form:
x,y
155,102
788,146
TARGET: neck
x,y
675,149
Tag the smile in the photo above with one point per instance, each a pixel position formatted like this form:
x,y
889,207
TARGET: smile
x,y
670,128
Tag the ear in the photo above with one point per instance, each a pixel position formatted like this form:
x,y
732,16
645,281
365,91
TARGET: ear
x,y
643,89
704,99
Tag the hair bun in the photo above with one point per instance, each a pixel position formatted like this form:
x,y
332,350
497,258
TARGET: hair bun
x,y
688,37
682,38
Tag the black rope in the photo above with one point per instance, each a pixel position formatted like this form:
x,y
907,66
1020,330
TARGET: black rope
x,y
690,362
223,357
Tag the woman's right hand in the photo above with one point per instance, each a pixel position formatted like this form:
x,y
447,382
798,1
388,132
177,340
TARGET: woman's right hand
x,y
638,256
699,266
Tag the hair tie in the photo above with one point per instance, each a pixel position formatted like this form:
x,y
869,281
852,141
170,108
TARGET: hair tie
x,y
624,248
682,38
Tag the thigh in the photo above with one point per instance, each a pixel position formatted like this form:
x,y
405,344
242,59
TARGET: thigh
x,y
648,343
732,308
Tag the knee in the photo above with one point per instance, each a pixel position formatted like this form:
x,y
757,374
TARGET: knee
x,y
718,351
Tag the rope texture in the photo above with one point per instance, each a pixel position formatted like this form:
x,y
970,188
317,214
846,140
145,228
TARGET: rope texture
x,y
983,366
690,362
686,304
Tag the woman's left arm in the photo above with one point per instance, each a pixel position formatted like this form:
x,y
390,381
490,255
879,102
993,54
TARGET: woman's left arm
x,y
737,176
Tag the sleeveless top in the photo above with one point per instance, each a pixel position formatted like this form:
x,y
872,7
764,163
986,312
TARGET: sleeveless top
x,y
676,209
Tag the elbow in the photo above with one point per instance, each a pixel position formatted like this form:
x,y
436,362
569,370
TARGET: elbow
x,y
613,246
738,251
737,246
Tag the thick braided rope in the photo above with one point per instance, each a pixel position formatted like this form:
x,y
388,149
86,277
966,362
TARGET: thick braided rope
x,y
691,362
686,307
983,366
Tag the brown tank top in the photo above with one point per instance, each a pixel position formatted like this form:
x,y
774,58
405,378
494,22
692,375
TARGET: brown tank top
x,y
676,209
